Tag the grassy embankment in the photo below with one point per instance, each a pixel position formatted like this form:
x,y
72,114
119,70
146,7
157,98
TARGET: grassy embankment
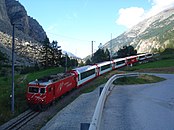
x,y
20,90
142,79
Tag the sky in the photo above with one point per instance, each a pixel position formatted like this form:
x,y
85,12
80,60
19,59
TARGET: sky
x,y
76,23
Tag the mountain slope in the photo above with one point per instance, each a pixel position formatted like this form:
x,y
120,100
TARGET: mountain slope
x,y
151,35
11,11
28,34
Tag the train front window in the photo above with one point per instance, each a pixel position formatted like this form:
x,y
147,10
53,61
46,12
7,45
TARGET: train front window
x,y
42,90
33,90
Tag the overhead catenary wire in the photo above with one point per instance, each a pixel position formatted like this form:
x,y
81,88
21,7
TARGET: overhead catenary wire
x,y
68,37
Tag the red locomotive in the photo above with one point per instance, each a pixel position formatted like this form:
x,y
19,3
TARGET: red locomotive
x,y
42,92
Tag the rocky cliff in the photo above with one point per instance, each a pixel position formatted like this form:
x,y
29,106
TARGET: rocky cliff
x,y
28,34
11,11
151,35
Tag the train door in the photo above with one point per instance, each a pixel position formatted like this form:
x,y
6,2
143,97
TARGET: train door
x,y
113,65
54,91
97,71
51,93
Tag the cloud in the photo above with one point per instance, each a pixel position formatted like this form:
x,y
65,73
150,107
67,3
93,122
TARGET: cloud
x,y
129,17
158,6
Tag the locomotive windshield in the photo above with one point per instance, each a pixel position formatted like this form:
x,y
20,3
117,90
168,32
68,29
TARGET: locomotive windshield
x,y
33,90
42,90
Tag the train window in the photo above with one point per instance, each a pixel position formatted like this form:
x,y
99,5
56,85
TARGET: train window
x,y
120,62
149,54
105,67
142,57
78,77
33,90
87,73
42,90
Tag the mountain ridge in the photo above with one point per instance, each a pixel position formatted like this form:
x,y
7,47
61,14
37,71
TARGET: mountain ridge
x,y
150,35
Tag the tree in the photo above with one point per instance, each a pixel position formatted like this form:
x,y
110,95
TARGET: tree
x,y
81,63
65,61
107,54
100,55
51,54
45,52
88,62
3,58
56,53
126,51
74,63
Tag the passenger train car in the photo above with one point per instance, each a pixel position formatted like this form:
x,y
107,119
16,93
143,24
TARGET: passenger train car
x,y
43,92
85,74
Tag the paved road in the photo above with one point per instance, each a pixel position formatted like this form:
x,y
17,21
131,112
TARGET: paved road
x,y
141,107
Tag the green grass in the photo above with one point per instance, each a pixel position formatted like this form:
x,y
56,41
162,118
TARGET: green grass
x,y
21,82
155,64
142,79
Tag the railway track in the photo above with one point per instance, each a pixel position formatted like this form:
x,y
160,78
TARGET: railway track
x,y
20,121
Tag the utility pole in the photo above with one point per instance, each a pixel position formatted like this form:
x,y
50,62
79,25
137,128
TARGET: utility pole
x,y
92,49
12,96
66,62
111,48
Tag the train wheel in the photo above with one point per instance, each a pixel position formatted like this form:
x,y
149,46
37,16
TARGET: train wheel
x,y
53,102
43,107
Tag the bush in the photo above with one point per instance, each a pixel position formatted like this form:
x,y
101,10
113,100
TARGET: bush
x,y
26,70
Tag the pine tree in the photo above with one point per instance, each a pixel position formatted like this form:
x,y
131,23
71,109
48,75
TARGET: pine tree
x,y
45,52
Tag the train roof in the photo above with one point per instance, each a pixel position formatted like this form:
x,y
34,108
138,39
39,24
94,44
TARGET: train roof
x,y
119,59
131,56
104,63
50,79
143,54
85,68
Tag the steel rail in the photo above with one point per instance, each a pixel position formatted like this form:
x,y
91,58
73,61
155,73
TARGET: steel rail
x,y
20,122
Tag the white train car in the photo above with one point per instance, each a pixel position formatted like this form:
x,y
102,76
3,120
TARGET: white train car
x,y
85,74
118,63
104,67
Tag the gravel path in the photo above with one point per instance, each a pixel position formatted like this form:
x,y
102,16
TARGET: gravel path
x,y
145,107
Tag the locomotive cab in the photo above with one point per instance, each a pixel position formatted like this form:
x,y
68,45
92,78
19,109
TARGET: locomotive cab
x,y
36,94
